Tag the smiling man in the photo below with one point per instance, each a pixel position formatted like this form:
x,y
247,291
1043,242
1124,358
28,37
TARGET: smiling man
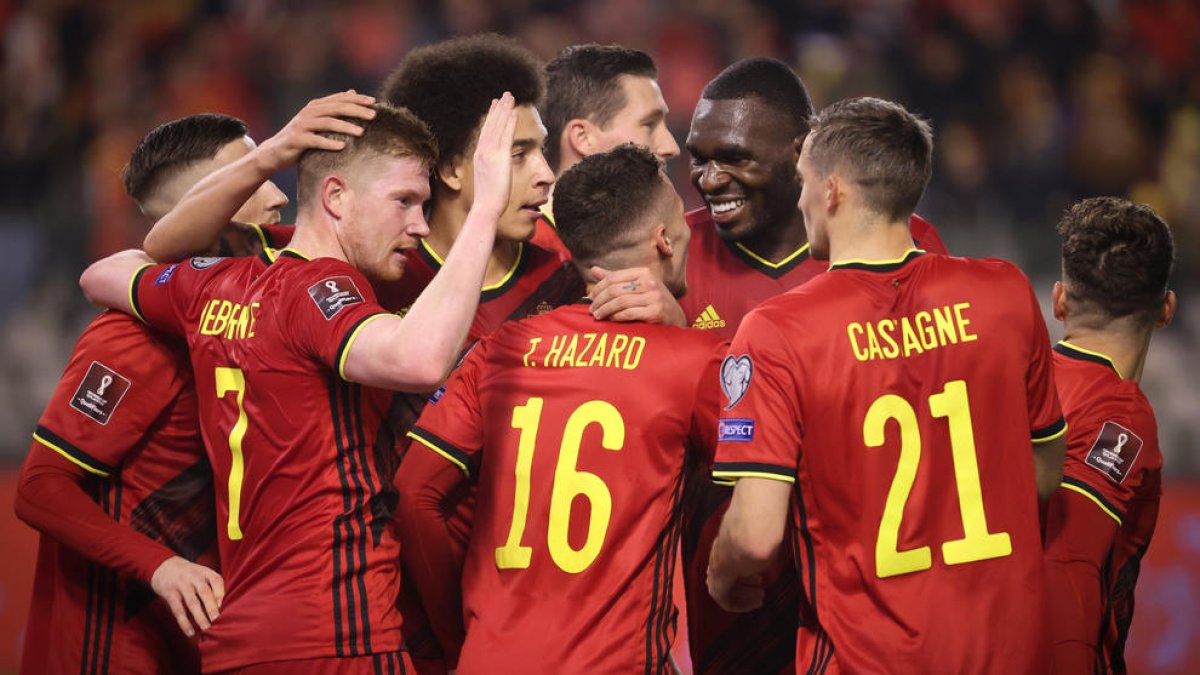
x,y
748,245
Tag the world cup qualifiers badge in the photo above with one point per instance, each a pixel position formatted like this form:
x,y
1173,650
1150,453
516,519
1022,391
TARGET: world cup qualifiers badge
x,y
1115,450
735,377
334,294
100,392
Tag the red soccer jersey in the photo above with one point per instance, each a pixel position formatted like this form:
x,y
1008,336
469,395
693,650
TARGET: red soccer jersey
x,y
900,399
1114,463
304,498
546,236
551,585
727,280
125,412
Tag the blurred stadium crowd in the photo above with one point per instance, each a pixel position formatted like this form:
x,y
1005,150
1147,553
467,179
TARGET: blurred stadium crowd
x,y
1034,104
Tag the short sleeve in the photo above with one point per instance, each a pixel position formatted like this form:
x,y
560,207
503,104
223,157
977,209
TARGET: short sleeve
x,y
758,434
119,380
325,308
1113,457
162,295
706,407
1045,415
452,423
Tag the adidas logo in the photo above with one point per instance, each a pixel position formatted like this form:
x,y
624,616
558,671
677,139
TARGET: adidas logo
x,y
708,320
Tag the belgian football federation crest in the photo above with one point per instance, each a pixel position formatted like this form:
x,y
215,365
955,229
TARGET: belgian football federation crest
x,y
735,377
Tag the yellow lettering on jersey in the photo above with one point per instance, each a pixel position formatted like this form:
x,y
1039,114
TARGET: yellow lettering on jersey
x,y
886,328
860,353
634,356
228,320
533,343
568,355
583,353
598,355
618,347
963,322
907,336
556,347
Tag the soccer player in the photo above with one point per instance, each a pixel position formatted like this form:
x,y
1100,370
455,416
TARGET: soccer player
x,y
885,412
1117,259
292,366
748,244
561,410
116,479
598,97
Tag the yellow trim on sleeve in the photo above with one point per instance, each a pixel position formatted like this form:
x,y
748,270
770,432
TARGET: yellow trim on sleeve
x,y
341,366
133,305
732,476
724,483
67,455
441,452
1047,439
763,261
1097,502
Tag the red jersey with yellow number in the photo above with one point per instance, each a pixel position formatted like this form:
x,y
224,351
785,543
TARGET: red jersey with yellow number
x,y
304,497
1114,461
125,412
575,430
900,399
726,280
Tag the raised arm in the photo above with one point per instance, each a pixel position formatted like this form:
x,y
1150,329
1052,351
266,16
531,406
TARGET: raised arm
x,y
203,217
417,352
106,282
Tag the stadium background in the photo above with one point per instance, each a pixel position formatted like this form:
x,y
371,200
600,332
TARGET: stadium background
x,y
1034,104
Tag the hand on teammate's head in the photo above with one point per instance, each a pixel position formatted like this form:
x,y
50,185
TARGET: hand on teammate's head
x,y
310,128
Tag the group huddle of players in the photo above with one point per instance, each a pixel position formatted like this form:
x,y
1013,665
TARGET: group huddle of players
x,y
323,449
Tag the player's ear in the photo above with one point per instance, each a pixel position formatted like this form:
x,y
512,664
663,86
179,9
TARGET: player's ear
x,y
452,173
797,145
834,192
662,241
1058,299
578,136
335,194
1168,311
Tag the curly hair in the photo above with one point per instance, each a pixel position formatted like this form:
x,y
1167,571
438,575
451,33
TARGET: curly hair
x,y
600,203
582,83
1117,256
450,85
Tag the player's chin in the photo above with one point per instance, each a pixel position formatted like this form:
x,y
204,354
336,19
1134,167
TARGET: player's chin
x,y
519,225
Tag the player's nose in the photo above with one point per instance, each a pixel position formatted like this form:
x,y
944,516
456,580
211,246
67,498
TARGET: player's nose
x,y
665,145
711,177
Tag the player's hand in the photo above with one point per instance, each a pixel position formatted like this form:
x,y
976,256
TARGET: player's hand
x,y
191,589
303,132
740,595
493,156
633,294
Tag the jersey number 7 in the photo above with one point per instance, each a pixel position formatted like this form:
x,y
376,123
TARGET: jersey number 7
x,y
227,380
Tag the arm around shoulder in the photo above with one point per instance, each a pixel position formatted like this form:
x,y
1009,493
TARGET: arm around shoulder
x,y
106,282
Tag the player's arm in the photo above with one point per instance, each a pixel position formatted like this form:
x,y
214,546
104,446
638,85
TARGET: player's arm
x,y
1079,538
107,282
51,499
750,536
633,294
427,520
416,352
203,217
1048,459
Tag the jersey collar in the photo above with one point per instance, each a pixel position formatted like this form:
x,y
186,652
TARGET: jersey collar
x,y
489,292
773,270
1080,354
292,253
878,265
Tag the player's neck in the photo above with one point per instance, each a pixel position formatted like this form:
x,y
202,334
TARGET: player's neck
x,y
868,239
315,238
1126,347
446,221
775,244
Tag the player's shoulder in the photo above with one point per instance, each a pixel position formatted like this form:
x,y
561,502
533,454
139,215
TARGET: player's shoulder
x,y
699,218
121,341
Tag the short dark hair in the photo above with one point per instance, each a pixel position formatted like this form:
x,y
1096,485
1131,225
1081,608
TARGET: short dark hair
x,y
581,83
175,146
1117,256
394,132
879,145
450,85
600,202
769,80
